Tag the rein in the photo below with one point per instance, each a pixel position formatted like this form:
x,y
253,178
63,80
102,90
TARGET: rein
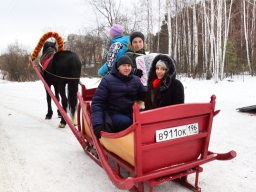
x,y
57,75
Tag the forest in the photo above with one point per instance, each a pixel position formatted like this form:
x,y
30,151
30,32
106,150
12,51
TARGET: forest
x,y
211,39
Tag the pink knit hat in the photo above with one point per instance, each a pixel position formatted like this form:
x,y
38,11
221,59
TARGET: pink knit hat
x,y
116,30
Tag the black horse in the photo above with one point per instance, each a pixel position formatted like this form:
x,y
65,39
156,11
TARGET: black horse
x,y
60,69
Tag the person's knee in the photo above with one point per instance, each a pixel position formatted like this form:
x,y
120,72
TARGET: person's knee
x,y
121,122
124,124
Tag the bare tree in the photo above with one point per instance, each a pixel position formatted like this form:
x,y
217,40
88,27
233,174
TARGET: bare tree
x,y
195,40
253,33
175,27
245,19
211,66
149,25
14,64
159,23
189,42
218,41
226,31
205,38
169,25
109,10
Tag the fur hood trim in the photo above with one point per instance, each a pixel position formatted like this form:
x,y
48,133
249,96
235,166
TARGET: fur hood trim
x,y
130,47
170,72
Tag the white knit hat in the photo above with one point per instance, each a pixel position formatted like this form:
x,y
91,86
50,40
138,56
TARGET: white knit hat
x,y
161,63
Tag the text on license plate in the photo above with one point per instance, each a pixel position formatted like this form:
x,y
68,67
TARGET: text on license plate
x,y
176,132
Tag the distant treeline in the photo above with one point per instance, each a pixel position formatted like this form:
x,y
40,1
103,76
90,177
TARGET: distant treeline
x,y
209,39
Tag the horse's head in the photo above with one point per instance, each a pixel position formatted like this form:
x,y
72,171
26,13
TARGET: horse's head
x,y
49,46
49,49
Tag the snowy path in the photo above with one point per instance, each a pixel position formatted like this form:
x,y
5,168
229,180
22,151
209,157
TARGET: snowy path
x,y
38,156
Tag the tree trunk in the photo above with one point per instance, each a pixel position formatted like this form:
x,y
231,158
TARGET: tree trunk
x,y
226,31
189,44
246,36
195,41
169,24
212,44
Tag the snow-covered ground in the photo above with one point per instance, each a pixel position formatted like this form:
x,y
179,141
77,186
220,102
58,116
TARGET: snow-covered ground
x,y
38,156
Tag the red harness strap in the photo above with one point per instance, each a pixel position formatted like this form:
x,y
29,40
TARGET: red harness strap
x,y
46,59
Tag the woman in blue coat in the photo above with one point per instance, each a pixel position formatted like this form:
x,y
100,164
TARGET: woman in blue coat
x,y
116,95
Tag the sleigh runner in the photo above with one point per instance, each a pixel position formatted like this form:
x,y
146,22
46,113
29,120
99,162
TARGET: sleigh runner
x,y
163,144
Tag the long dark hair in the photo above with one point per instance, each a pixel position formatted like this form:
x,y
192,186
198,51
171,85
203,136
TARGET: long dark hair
x,y
149,104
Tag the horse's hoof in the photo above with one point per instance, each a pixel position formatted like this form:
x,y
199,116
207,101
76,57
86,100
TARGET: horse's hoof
x,y
61,125
59,116
48,117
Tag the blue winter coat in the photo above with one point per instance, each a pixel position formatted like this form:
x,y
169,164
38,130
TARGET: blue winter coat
x,y
116,94
118,48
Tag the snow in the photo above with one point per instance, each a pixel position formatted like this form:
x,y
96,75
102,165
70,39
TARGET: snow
x,y
38,156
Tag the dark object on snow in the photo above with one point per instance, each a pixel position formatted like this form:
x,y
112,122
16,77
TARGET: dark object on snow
x,y
248,109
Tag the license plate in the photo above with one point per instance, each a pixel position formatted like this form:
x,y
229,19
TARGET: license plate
x,y
176,132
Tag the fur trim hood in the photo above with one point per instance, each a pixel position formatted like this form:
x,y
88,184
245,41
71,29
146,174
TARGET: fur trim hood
x,y
170,72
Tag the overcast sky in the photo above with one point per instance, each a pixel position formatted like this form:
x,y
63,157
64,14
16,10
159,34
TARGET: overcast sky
x,y
25,21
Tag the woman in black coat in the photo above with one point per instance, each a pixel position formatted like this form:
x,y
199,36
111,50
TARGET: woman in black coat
x,y
163,87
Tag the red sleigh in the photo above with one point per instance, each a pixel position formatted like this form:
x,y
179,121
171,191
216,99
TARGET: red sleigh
x,y
164,144
161,145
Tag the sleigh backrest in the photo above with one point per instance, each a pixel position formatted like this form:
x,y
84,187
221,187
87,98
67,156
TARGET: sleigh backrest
x,y
87,94
172,135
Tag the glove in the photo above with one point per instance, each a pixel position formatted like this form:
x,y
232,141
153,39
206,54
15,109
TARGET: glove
x,y
97,129
138,72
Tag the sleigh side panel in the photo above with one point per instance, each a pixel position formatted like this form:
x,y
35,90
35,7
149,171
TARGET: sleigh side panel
x,y
163,137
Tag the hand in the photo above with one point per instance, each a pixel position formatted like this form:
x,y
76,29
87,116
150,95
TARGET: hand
x,y
138,72
97,129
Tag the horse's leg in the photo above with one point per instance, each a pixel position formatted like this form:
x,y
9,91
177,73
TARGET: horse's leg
x,y
64,101
72,99
58,98
49,104
74,119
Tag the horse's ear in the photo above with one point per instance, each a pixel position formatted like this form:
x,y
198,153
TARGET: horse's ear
x,y
55,47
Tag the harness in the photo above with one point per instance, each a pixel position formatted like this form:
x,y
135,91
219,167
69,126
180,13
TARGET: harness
x,y
45,59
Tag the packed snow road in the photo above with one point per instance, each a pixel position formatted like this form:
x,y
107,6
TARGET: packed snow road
x,y
38,156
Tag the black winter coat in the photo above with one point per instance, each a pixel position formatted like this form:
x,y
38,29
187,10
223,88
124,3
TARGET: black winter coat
x,y
170,90
116,94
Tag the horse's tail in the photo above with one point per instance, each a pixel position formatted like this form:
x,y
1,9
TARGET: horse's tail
x,y
72,91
